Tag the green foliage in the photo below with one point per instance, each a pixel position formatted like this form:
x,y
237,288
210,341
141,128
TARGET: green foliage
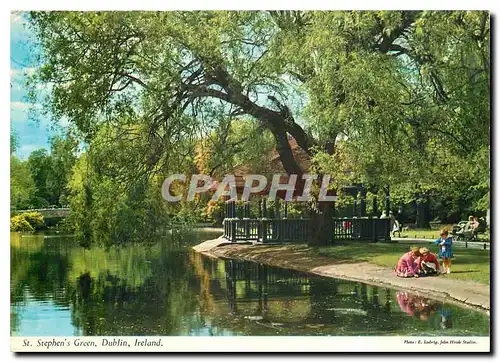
x,y
14,142
19,223
65,225
27,221
51,172
35,219
39,163
215,211
22,186
295,209
108,211
62,156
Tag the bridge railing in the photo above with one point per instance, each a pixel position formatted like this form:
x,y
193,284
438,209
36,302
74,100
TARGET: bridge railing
x,y
42,210
60,212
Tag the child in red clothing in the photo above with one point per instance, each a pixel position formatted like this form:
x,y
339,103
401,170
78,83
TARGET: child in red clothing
x,y
407,265
428,263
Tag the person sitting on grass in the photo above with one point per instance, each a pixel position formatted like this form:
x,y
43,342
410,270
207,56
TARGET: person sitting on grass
x,y
445,252
407,265
427,263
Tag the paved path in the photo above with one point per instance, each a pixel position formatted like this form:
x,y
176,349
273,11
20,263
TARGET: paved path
x,y
459,244
210,244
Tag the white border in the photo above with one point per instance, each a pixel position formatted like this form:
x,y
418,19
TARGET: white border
x,y
252,344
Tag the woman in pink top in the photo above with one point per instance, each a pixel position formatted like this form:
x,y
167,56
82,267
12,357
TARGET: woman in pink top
x,y
407,265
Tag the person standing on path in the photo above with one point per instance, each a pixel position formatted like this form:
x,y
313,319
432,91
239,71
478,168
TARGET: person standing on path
x,y
445,253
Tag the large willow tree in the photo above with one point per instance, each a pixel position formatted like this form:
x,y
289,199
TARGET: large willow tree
x,y
395,96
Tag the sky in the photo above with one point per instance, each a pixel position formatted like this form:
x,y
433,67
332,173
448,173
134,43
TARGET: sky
x,y
31,134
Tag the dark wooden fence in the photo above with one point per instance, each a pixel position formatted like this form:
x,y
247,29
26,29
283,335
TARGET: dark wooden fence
x,y
241,225
364,228
267,230
302,230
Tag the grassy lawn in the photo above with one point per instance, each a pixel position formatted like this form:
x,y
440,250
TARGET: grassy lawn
x,y
434,234
468,264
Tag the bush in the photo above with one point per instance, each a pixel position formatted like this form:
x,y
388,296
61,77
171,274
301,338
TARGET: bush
x,y
27,221
19,223
35,219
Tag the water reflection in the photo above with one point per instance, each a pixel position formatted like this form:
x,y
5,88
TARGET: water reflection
x,y
418,306
59,288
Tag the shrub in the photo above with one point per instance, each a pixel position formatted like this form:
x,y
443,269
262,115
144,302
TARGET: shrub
x,y
27,221
19,223
35,219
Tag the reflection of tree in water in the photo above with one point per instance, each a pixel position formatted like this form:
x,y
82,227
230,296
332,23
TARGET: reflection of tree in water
x,y
158,306
206,297
38,271
122,291
39,266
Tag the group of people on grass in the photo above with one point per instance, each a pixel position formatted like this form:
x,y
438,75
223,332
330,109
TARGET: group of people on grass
x,y
421,262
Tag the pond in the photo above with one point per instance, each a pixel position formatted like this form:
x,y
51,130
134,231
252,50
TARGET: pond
x,y
61,289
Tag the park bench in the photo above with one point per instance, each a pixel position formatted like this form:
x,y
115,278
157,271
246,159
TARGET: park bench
x,y
463,231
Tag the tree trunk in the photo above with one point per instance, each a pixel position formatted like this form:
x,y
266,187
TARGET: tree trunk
x,y
287,158
322,225
322,228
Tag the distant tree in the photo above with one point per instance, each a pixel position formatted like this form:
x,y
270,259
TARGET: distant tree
x,y
62,159
40,166
22,186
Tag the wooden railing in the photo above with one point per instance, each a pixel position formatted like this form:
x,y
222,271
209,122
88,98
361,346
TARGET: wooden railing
x,y
267,230
241,229
368,229
301,230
